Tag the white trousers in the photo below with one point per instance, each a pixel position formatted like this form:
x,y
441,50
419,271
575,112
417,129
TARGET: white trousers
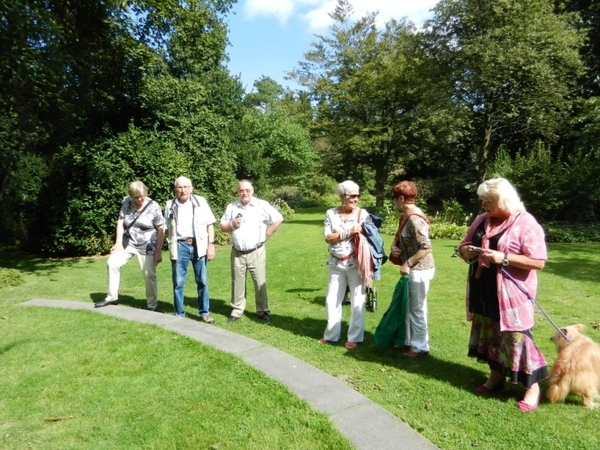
x,y
417,335
339,278
118,260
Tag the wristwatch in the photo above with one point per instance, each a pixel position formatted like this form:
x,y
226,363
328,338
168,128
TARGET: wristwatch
x,y
505,260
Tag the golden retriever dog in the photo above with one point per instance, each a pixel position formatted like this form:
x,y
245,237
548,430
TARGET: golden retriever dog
x,y
577,367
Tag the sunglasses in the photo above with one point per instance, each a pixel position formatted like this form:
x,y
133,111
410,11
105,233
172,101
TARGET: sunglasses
x,y
353,196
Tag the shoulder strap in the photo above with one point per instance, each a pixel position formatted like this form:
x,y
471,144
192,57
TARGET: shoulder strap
x,y
403,223
141,212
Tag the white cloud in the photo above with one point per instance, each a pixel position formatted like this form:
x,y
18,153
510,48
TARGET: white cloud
x,y
281,9
315,12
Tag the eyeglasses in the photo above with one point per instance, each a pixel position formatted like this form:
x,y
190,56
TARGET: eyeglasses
x,y
353,196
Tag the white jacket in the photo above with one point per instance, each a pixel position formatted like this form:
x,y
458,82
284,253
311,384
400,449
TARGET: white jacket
x,y
203,217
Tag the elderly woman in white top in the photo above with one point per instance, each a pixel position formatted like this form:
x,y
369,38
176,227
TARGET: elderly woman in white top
x,y
341,224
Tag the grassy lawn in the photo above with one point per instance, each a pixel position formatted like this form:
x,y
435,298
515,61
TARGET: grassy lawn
x,y
116,384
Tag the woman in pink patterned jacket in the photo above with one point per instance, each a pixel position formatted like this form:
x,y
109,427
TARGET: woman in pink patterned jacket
x,y
505,245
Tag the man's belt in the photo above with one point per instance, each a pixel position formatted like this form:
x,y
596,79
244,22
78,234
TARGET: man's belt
x,y
343,258
188,240
245,252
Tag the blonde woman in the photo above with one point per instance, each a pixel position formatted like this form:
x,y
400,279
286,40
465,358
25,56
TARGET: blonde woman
x,y
139,232
505,245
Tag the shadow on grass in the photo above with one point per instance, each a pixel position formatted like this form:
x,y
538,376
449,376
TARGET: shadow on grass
x,y
432,366
132,302
13,258
572,261
316,222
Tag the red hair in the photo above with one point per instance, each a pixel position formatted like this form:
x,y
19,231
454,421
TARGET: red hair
x,y
406,189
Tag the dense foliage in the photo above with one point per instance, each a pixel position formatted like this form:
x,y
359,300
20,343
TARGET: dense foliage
x,y
96,94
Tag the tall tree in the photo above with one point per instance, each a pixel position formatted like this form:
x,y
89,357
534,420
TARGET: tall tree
x,y
365,85
104,77
510,65
589,23
271,146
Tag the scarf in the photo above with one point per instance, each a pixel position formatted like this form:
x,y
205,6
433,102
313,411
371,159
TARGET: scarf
x,y
490,232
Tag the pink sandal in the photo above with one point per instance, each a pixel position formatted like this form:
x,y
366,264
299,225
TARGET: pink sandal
x,y
350,345
526,407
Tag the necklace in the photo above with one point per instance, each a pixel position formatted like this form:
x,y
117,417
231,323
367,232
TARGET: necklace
x,y
346,216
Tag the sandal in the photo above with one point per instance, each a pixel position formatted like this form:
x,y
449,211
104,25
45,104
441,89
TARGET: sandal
x,y
350,345
526,407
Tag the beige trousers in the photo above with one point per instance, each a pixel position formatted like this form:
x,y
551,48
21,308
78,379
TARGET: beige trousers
x,y
255,263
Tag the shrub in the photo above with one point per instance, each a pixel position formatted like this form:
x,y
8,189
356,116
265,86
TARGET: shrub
x,y
78,209
21,190
443,230
537,177
10,277
571,233
452,213
285,210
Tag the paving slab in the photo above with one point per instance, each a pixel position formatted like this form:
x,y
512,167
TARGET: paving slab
x,y
367,425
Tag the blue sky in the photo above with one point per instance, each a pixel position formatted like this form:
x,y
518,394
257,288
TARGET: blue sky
x,y
269,37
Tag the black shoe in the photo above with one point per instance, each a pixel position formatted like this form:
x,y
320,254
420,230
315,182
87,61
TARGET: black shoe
x,y
265,317
155,309
105,303
233,319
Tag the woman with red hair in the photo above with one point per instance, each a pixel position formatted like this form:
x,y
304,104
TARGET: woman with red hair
x,y
411,250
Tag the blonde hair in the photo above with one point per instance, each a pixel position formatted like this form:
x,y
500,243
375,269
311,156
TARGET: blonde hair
x,y
138,189
501,190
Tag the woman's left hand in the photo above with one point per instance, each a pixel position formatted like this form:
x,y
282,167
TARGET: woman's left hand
x,y
404,269
356,229
157,257
494,256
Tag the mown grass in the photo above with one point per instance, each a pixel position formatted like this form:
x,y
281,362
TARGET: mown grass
x,y
433,395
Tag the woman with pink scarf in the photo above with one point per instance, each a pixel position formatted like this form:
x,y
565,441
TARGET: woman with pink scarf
x,y
504,246
342,233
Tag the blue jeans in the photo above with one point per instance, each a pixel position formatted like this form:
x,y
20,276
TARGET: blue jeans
x,y
186,253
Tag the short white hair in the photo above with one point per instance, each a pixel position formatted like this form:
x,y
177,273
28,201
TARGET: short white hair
x,y
347,186
184,181
501,190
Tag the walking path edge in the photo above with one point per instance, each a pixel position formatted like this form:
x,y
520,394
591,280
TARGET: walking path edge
x,y
367,425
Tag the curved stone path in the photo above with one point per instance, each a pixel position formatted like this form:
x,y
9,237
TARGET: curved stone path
x,y
346,408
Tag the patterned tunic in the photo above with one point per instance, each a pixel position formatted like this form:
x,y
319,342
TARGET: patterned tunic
x,y
413,237
142,236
